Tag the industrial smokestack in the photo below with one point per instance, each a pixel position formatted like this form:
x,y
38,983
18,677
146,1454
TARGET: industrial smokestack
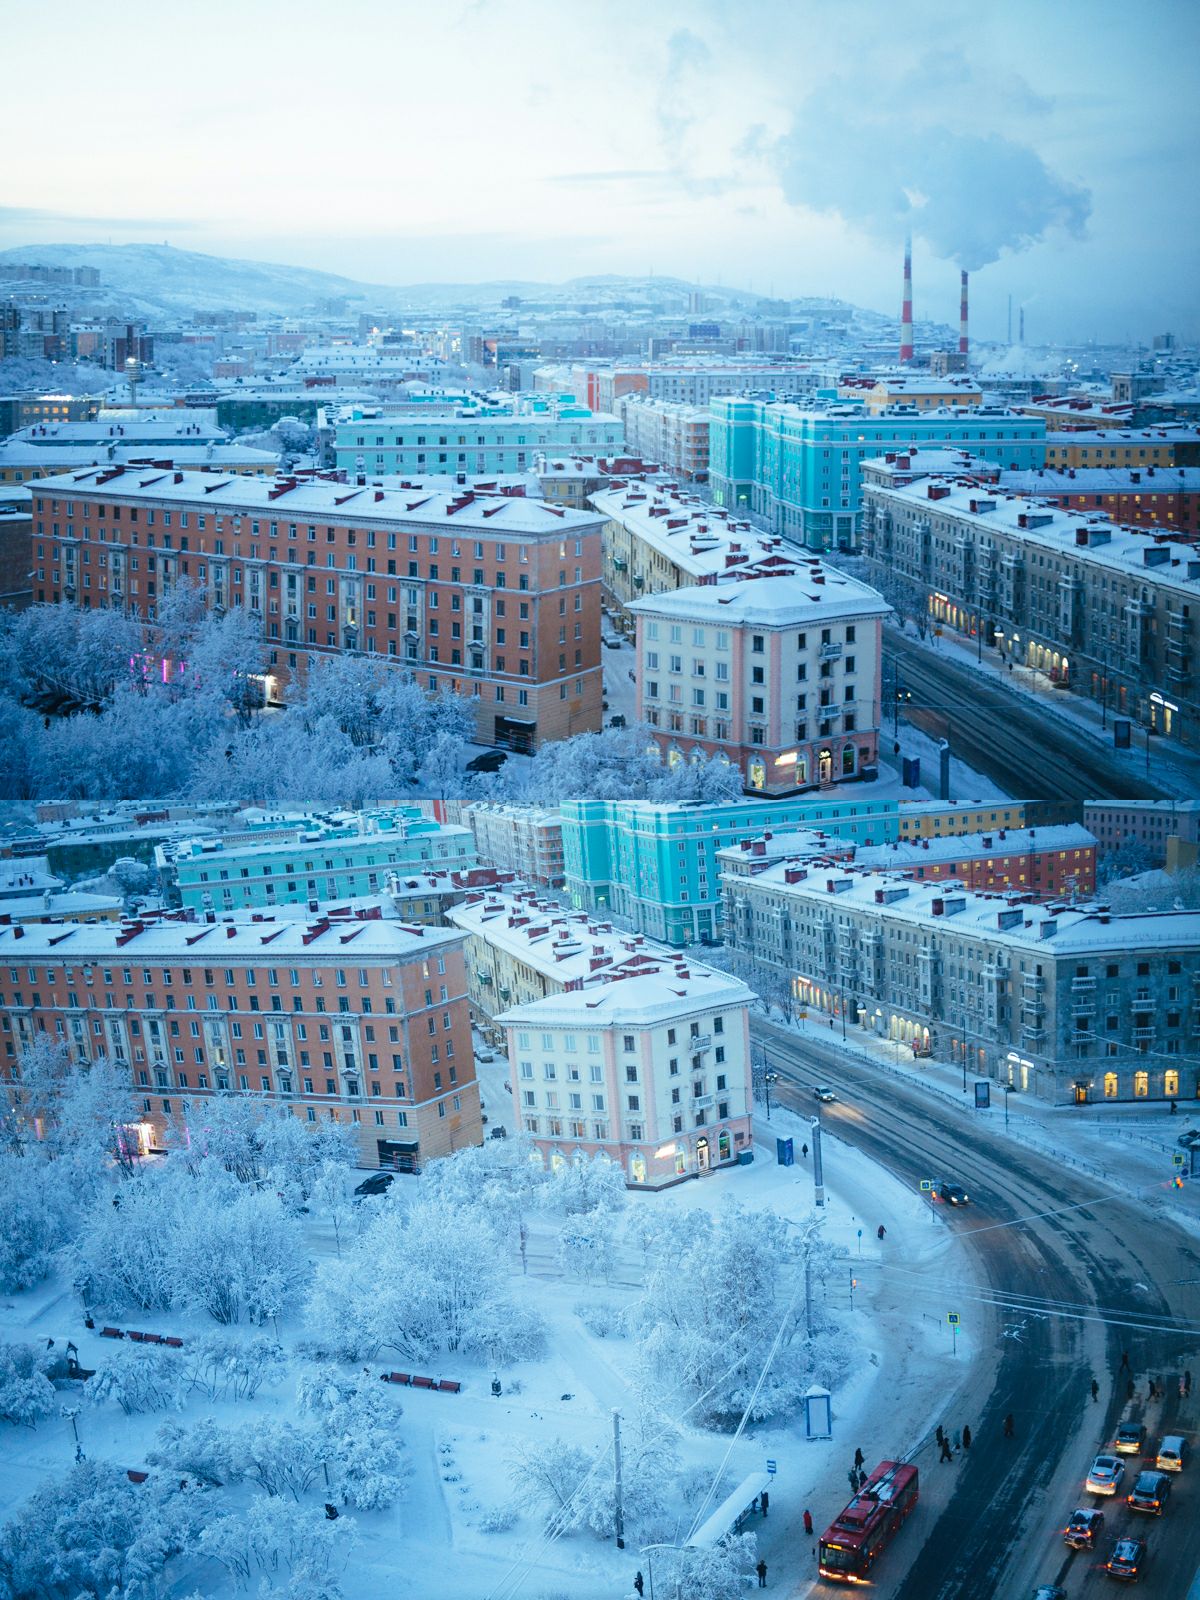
x,y
1010,319
1021,327
963,346
906,318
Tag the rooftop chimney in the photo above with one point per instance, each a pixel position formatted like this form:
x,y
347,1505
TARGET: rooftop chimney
x,y
906,318
963,346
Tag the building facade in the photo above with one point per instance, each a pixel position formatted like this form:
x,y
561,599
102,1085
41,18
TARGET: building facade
x,y
1123,448
524,840
1047,863
448,441
497,599
358,1019
1150,825
1142,497
656,866
326,862
800,470
1068,1004
1107,611
670,432
616,1046
780,674
16,548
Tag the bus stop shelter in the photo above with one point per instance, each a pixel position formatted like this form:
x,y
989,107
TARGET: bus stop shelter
x,y
731,1513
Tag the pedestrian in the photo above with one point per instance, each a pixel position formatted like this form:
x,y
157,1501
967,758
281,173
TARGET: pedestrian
x,y
331,1512
639,1583
859,1458
766,1500
761,1569
938,1434
1160,1386
966,1438
1187,1384
1130,1390
808,1526
1174,1108
945,1455
1151,1391
831,1022
1010,1423
853,1481
1182,1387
1124,1361
1095,1392
881,1231
754,1504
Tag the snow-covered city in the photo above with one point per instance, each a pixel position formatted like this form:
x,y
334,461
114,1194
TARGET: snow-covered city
x,y
599,802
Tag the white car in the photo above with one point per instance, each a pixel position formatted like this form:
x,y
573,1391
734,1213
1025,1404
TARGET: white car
x,y
825,1095
1105,1476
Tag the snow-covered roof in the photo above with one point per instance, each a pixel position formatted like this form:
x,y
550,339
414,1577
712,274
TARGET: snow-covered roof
x,y
1104,480
289,498
946,905
789,597
635,1000
923,460
693,535
972,846
1162,433
1138,553
298,938
16,453
184,431
65,905
28,876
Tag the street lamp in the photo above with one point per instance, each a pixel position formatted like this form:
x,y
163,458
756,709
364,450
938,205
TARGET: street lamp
x,y
768,1079
1007,1091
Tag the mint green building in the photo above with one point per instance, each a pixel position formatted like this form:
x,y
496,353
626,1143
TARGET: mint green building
x,y
472,442
800,468
656,865
326,863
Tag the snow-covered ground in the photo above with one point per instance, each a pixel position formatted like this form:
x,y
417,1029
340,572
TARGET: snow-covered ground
x,y
434,1542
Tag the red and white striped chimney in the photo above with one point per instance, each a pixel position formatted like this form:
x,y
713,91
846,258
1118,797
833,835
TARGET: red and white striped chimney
x,y
906,320
963,346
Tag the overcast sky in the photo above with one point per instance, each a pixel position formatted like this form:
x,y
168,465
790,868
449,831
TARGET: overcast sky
x,y
784,147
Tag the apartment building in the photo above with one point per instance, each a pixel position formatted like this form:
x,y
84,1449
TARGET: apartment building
x,y
1048,862
332,860
1070,1004
351,1017
463,441
1151,825
1142,497
670,432
1123,448
694,383
16,548
615,1045
1107,611
774,666
495,598
658,538
525,840
24,462
656,866
801,468
935,819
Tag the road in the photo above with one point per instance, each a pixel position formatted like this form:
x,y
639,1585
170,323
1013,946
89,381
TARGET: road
x,y
1008,738
1056,1237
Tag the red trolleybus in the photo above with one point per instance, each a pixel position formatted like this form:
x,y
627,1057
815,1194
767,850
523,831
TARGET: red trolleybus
x,y
855,1539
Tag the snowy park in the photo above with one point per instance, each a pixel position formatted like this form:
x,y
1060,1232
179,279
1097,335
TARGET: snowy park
x,y
201,1353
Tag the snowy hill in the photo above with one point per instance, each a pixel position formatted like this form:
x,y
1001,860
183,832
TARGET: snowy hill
x,y
155,279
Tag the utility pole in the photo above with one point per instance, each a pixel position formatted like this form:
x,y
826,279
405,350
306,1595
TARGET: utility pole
x,y
620,1508
807,1290
818,1169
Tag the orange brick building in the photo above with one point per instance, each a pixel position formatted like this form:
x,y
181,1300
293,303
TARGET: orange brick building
x,y
493,597
1046,862
347,1016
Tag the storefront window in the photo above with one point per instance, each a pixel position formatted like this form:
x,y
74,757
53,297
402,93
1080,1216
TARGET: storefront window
x,y
637,1167
1171,1083
1110,1086
1141,1085
723,1144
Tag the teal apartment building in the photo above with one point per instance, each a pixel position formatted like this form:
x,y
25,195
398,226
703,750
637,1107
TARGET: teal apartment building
x,y
326,863
800,468
656,865
472,441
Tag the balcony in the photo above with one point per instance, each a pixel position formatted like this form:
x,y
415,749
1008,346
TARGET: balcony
x,y
700,1041
830,652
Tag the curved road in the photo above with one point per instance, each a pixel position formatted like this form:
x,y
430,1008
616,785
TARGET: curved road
x,y
1035,1230
1008,738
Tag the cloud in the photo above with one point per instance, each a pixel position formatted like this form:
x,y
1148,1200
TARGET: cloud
x,y
679,102
887,158
11,216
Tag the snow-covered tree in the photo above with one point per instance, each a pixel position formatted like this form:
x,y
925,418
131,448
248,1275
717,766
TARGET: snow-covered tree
x,y
223,1366
616,764
571,1487
204,1453
26,1393
139,1378
359,1438
587,1185
280,1457
585,1245
723,1571
425,1282
278,1543
39,1215
63,657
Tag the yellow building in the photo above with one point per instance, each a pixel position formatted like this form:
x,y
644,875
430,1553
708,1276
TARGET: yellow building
x,y
943,819
923,393
1141,447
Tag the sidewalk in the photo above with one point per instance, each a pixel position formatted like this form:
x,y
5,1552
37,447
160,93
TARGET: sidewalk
x,y
1169,764
1128,1146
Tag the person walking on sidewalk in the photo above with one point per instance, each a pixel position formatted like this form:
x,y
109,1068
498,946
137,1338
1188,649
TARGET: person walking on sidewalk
x,y
1095,1392
966,1437
639,1583
945,1455
1010,1424
808,1524
859,1458
761,1569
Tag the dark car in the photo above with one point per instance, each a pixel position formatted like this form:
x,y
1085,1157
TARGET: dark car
x,y
1151,1492
489,761
954,1194
1127,1560
377,1183
1084,1529
499,1131
1131,1437
617,721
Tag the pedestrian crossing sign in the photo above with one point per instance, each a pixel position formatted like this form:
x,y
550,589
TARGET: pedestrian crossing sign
x,y
926,1185
1178,1158
952,1318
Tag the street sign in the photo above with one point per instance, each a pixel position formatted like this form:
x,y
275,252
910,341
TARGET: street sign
x,y
983,1096
770,1466
952,1318
785,1153
1178,1159
926,1185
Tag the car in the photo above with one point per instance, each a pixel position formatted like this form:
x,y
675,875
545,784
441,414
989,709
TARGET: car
x,y
1186,1140
954,1194
499,1132
1084,1529
1127,1560
1049,1591
1105,1475
377,1183
827,1096
1130,1440
485,1055
1173,1453
1150,1492
489,761
611,640
617,721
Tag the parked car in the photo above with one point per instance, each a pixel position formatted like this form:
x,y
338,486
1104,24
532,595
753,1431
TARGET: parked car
x,y
617,721
1186,1140
827,1096
1131,1438
1150,1492
611,640
499,1131
377,1183
1174,1453
485,1055
489,761
1105,1475
954,1194
1083,1531
1127,1560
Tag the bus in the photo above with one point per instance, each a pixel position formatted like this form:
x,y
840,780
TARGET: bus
x,y
857,1537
